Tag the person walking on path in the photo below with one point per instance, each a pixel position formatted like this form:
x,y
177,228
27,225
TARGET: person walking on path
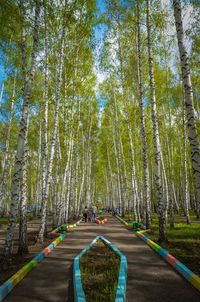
x,y
85,214
89,215
94,211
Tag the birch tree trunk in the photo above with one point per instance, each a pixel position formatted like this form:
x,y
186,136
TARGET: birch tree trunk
x,y
111,180
67,204
7,146
45,113
82,178
55,190
142,125
89,161
76,172
133,175
118,156
165,186
23,239
157,145
188,93
38,185
126,195
63,186
54,138
186,192
20,157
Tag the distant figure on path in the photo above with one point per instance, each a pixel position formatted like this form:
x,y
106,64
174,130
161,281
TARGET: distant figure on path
x,y
85,214
116,212
89,215
94,211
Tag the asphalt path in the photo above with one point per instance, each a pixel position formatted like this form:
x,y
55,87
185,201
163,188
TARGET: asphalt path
x,y
149,278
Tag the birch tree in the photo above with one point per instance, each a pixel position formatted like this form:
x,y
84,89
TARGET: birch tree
x,y
157,145
142,121
20,157
55,131
188,93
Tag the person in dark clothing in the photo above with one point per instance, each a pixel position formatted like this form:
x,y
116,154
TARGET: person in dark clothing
x,y
85,214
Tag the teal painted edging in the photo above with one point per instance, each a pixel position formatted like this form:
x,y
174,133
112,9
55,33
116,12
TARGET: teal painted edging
x,y
8,285
79,294
182,269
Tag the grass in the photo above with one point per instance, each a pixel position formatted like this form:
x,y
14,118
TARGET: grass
x,y
4,219
99,272
129,218
184,239
184,242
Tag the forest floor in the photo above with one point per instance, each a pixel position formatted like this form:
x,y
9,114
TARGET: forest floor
x,y
17,261
184,240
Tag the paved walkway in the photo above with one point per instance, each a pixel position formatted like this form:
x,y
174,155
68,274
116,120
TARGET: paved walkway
x,y
149,277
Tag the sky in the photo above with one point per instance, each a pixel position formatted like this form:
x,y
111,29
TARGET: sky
x,y
99,30
99,33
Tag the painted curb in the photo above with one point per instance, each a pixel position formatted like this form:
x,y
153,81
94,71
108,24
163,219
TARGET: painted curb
x,y
122,220
182,269
97,221
8,285
79,294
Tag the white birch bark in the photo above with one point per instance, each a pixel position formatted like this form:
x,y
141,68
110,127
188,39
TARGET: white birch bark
x,y
67,204
79,207
88,160
7,146
76,172
186,192
118,156
126,196
23,239
63,185
157,145
44,149
55,135
142,126
38,179
76,185
133,175
20,157
111,180
165,186
81,189
55,189
188,93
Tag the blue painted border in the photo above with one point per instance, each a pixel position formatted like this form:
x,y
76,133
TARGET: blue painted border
x,y
79,294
